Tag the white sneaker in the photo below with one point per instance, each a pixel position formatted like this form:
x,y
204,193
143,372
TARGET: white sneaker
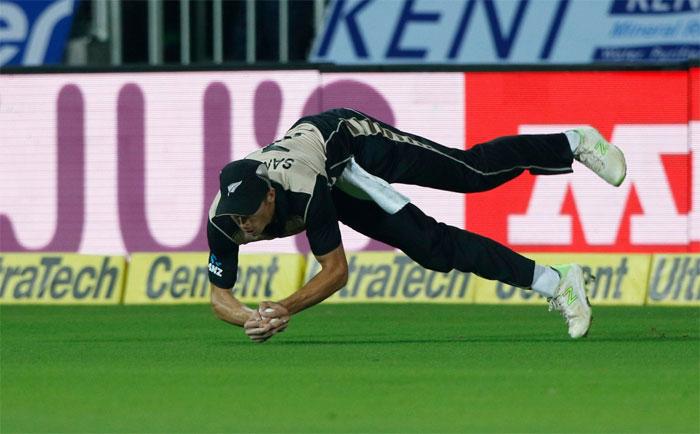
x,y
601,156
571,301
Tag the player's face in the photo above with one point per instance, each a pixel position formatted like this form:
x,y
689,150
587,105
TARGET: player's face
x,y
254,224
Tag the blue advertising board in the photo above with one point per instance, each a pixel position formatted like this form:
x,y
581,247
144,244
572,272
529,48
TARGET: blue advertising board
x,y
508,31
34,32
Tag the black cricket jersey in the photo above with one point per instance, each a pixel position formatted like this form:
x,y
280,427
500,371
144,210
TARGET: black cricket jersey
x,y
339,165
297,170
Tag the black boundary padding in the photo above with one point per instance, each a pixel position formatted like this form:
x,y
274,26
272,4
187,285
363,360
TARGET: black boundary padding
x,y
331,68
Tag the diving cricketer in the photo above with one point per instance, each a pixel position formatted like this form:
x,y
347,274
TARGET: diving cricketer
x,y
339,166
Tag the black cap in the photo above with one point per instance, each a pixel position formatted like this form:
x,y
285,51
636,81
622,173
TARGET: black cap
x,y
243,185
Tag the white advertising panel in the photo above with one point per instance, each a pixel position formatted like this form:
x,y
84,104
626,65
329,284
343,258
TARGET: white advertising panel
x,y
508,31
116,163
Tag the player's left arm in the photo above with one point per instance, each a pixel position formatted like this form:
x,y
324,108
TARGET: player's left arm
x,y
332,277
273,317
324,238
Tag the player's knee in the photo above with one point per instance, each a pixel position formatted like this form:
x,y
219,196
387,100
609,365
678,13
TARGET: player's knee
x,y
436,251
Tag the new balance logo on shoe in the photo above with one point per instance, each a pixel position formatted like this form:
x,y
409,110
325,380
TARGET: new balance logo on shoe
x,y
571,301
601,147
603,158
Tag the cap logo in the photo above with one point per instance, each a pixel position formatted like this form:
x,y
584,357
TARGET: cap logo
x,y
233,186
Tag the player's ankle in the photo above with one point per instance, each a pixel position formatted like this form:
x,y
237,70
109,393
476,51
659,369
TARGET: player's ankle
x,y
545,281
574,138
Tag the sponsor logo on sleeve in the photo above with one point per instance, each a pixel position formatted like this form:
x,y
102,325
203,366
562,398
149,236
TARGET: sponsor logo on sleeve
x,y
61,278
215,266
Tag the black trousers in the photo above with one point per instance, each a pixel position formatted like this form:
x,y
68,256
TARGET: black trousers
x,y
400,157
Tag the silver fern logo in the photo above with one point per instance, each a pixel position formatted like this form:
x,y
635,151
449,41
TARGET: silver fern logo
x,y
233,186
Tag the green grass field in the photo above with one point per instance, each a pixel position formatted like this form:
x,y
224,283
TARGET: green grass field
x,y
349,368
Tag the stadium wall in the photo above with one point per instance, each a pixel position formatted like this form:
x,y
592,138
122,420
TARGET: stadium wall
x,y
119,164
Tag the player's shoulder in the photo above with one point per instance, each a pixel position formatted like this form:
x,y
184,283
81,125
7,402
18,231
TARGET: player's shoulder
x,y
293,171
328,120
300,177
222,234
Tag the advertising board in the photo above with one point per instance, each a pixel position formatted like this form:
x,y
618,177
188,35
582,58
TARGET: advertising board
x,y
104,164
674,280
615,279
176,278
34,32
114,168
508,31
654,210
58,278
387,277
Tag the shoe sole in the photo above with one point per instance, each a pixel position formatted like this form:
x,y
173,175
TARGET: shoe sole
x,y
590,323
619,183
587,282
624,175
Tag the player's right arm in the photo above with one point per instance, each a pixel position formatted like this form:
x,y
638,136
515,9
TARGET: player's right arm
x,y
227,308
223,270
